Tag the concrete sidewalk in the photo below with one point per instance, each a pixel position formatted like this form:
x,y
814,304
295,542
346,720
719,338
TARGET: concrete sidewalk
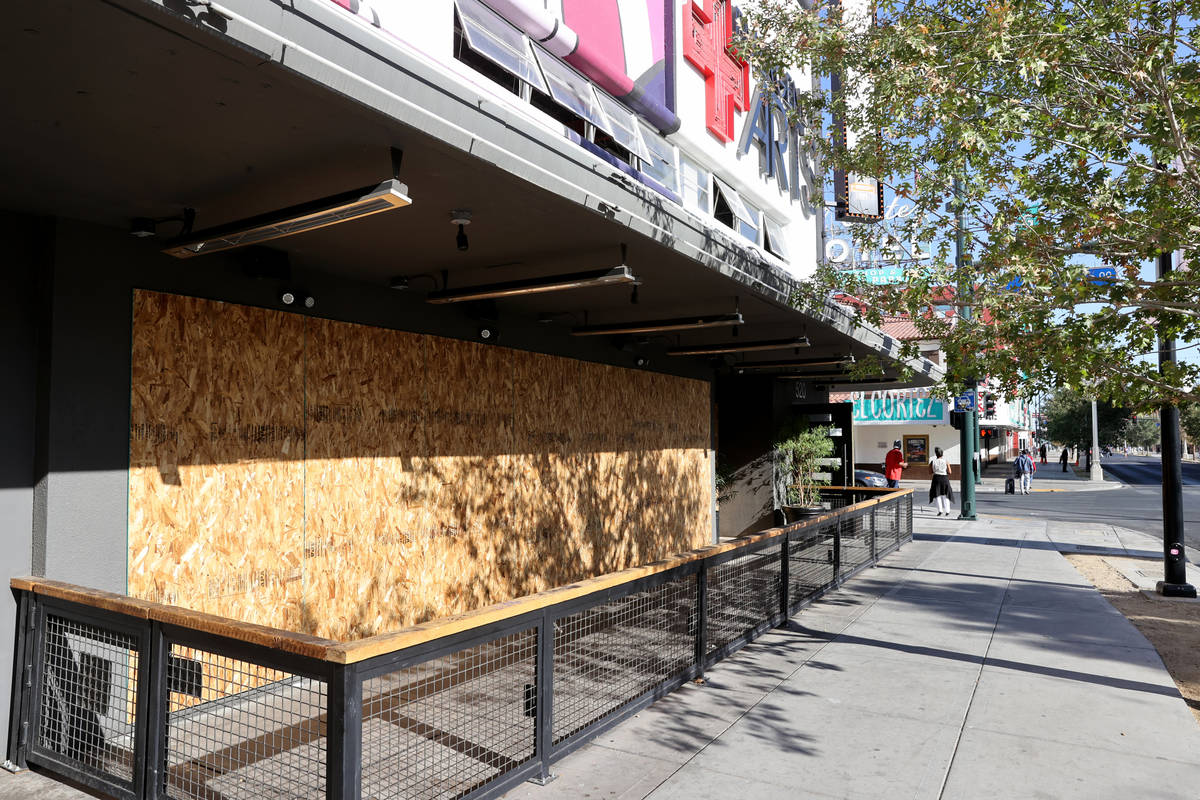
x,y
975,662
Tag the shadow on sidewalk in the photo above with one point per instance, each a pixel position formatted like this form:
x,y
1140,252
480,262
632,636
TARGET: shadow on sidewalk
x,y
1019,666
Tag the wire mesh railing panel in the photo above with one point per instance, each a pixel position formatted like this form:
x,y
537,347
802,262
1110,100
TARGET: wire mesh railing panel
x,y
238,730
810,564
613,653
888,523
834,502
439,729
87,709
741,594
857,536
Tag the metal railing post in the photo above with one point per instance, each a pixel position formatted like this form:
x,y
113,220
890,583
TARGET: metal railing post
x,y
22,682
343,732
784,576
875,543
908,507
701,617
543,731
150,725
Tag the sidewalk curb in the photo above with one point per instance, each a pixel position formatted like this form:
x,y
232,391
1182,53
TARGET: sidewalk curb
x,y
984,489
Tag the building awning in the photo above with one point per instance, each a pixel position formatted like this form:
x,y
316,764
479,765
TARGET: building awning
x,y
251,106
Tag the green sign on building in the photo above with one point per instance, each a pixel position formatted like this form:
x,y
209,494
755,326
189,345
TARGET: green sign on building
x,y
898,405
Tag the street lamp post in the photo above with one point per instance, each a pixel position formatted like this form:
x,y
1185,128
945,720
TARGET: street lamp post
x,y
1097,474
1174,583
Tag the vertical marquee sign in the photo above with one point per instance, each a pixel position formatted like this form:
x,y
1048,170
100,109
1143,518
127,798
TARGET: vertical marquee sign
x,y
708,46
857,198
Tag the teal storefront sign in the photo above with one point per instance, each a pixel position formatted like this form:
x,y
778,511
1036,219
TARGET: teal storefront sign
x,y
898,405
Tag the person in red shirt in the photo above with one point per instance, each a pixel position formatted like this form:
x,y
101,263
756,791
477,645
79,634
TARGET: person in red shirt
x,y
893,465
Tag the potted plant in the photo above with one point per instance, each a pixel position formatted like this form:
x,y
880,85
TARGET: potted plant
x,y
800,453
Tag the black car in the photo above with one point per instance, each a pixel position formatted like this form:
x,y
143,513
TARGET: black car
x,y
865,477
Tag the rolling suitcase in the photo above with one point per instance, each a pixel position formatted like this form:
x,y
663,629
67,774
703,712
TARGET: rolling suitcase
x,y
1010,487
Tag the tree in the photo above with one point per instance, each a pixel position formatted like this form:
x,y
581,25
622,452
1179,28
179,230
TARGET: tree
x,y
1072,128
1069,420
1143,432
1189,420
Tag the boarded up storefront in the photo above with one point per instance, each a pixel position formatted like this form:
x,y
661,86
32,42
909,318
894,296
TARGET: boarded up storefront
x,y
345,480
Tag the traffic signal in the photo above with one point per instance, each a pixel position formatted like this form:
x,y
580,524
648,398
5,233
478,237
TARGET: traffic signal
x,y
956,419
987,433
989,406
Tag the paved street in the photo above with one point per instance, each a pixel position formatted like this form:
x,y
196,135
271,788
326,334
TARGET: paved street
x,y
1136,504
1146,471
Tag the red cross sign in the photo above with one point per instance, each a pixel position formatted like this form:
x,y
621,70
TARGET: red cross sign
x,y
707,45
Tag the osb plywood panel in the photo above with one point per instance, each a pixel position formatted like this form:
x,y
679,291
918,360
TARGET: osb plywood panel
x,y
216,479
344,480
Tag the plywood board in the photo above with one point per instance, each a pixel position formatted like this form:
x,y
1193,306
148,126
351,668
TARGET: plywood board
x,y
216,458
343,480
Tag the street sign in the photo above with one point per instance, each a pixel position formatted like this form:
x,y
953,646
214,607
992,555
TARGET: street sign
x,y
965,401
1102,276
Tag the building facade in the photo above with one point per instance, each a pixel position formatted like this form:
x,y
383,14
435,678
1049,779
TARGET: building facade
x,y
240,384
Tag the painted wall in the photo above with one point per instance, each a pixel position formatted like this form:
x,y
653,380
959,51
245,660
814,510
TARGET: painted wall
x,y
23,312
872,442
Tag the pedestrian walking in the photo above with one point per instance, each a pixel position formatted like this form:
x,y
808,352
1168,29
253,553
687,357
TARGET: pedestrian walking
x,y
1042,452
893,465
1023,471
940,491
1065,457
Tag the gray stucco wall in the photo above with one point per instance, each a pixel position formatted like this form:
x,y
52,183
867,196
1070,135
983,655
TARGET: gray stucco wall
x,y
27,241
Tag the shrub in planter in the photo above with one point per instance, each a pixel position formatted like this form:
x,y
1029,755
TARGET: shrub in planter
x,y
801,451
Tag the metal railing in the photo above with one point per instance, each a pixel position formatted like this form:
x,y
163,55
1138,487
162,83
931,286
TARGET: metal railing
x,y
140,700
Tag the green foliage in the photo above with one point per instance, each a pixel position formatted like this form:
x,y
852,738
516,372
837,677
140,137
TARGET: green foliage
x,y
800,450
1142,432
1074,130
1189,421
1069,420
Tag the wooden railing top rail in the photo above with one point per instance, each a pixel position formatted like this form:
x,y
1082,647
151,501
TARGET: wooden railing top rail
x,y
353,652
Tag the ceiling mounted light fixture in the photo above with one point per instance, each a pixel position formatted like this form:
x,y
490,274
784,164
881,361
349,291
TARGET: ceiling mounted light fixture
x,y
836,361
461,217
147,227
742,347
338,208
831,377
651,326
553,283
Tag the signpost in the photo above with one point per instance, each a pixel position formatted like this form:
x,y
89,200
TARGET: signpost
x,y
966,401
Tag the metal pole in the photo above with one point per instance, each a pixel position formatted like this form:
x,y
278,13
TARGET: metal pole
x,y
975,459
1174,583
1097,473
968,437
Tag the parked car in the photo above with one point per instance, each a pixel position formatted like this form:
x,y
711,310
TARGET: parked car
x,y
865,477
